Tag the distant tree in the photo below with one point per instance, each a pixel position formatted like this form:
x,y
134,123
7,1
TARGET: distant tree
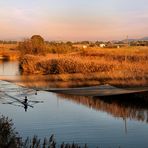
x,y
69,43
35,45
8,42
38,44
98,43
38,39
84,42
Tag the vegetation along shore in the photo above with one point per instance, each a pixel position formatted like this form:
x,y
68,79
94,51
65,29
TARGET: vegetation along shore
x,y
120,66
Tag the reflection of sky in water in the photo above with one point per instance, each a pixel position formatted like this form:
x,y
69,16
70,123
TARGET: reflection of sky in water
x,y
70,121
9,68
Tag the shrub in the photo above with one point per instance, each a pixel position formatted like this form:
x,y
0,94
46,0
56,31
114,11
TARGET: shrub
x,y
35,46
61,48
8,137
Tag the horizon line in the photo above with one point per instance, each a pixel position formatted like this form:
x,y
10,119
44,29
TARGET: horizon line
x,y
71,40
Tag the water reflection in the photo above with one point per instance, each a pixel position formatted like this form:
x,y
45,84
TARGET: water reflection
x,y
9,138
17,96
51,81
69,121
8,68
124,106
24,104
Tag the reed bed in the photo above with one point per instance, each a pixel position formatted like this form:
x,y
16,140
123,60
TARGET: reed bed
x,y
64,64
126,66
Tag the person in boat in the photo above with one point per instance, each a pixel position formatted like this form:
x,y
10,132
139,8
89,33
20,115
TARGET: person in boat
x,y
25,103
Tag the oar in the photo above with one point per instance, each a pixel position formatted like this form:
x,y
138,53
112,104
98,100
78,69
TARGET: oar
x,y
18,100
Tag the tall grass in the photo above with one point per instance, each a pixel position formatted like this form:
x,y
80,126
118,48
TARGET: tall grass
x,y
9,51
109,65
64,64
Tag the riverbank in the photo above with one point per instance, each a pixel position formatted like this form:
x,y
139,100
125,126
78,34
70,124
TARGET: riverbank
x,y
120,67
9,52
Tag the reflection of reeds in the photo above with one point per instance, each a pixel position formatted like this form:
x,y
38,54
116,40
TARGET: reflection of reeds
x,y
118,106
44,82
118,67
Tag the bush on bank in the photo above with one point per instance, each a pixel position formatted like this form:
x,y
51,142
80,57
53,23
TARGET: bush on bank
x,y
34,46
71,64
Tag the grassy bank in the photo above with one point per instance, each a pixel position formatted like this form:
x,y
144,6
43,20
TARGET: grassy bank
x,y
125,66
9,52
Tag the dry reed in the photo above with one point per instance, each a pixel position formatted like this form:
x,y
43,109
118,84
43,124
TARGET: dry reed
x,y
122,66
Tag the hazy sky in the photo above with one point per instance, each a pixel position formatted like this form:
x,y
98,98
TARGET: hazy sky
x,y
74,19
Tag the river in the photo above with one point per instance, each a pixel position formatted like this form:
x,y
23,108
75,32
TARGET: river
x,y
104,122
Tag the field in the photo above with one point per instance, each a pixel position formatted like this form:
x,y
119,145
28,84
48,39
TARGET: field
x,y
9,52
126,66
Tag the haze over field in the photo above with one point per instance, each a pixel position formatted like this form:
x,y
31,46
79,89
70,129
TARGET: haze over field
x,y
73,19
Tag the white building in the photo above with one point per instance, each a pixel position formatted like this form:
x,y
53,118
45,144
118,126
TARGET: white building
x,y
102,45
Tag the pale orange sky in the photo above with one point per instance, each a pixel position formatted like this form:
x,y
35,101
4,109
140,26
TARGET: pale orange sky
x,y
73,20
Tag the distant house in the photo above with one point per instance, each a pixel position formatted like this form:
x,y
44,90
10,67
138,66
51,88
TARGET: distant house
x,y
102,45
84,46
80,46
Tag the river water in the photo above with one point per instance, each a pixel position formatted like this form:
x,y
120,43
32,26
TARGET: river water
x,y
104,122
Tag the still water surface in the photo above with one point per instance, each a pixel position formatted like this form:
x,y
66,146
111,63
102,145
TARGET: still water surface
x,y
104,122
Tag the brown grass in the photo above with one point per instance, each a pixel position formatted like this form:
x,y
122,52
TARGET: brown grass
x,y
126,66
9,51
